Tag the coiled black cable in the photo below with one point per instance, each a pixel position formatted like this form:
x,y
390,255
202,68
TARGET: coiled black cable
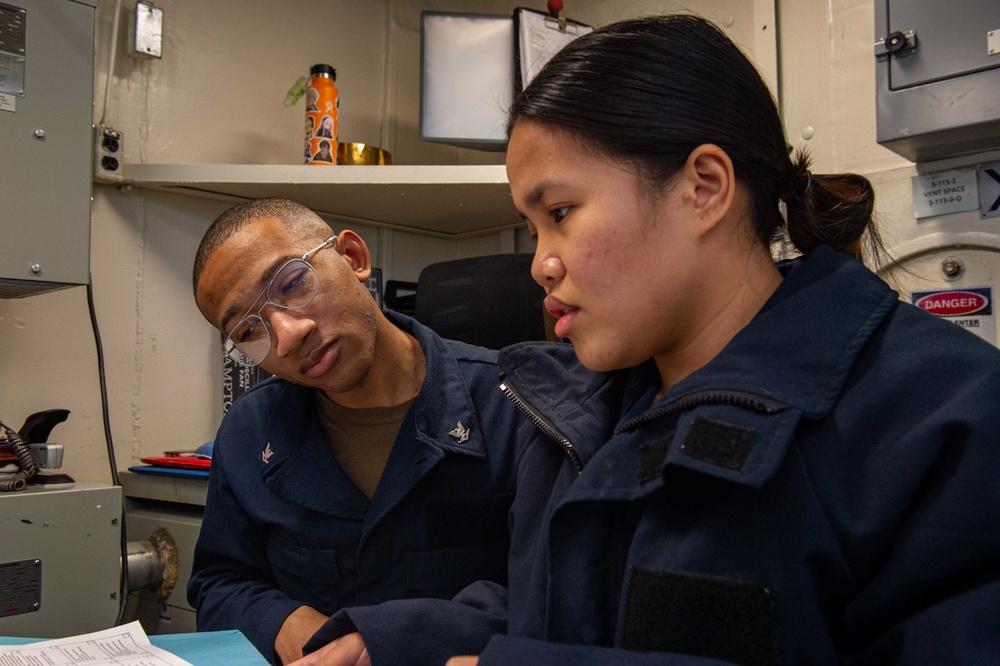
x,y
25,462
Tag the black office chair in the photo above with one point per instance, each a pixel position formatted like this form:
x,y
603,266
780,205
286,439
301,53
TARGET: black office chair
x,y
490,301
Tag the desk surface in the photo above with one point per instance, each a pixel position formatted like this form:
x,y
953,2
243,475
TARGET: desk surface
x,y
208,648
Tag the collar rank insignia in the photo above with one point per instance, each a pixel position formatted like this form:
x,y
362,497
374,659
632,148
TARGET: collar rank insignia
x,y
461,433
266,455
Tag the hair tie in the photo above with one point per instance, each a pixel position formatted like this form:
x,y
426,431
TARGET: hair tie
x,y
799,185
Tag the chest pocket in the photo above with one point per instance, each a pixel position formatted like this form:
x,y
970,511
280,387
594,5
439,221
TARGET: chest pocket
x,y
309,575
443,573
706,616
468,540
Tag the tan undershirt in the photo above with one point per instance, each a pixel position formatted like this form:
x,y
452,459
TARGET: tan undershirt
x,y
361,439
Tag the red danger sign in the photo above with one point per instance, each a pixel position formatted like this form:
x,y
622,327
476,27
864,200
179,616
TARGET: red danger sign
x,y
952,303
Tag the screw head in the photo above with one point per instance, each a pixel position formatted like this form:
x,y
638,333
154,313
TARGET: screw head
x,y
952,268
39,133
36,268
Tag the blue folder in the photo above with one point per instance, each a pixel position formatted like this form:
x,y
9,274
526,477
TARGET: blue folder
x,y
162,470
206,648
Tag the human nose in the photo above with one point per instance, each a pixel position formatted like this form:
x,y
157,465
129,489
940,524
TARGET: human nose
x,y
289,328
547,269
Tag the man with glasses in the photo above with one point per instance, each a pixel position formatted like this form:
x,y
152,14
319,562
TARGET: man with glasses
x,y
377,464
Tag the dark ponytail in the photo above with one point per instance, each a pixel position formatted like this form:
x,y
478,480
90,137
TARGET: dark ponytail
x,y
831,209
649,91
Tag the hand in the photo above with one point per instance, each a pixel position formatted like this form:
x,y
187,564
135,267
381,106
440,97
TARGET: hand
x,y
463,661
347,650
297,628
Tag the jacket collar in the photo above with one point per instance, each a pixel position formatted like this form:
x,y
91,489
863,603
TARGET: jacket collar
x,y
823,313
302,468
449,424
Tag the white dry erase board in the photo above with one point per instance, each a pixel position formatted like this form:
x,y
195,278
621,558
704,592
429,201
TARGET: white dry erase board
x,y
466,78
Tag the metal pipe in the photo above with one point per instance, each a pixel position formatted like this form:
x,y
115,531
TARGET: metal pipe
x,y
152,564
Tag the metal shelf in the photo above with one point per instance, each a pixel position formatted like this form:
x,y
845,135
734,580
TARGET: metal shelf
x,y
452,201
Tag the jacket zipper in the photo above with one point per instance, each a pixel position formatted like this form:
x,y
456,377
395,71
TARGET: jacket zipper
x,y
545,426
733,398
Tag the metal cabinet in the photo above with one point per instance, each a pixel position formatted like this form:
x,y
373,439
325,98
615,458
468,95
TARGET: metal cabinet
x,y
937,77
60,560
46,119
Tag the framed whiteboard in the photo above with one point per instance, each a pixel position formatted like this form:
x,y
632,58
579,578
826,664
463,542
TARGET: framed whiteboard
x,y
467,80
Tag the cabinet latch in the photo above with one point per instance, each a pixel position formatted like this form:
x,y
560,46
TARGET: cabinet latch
x,y
896,44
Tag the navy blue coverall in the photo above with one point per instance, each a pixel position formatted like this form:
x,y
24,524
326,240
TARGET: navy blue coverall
x,y
284,525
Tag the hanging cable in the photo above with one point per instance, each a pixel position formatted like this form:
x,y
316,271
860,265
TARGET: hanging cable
x,y
123,584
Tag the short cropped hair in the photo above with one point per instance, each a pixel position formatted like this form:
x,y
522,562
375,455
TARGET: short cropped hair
x,y
294,216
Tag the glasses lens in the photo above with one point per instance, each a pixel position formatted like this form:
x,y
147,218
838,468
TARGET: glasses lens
x,y
249,342
295,285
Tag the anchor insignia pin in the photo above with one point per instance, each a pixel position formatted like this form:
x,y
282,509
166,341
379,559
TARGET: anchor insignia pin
x,y
461,433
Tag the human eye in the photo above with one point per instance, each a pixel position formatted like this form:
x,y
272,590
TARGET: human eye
x,y
559,214
293,281
245,330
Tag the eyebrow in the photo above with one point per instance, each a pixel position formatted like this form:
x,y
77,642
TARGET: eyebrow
x,y
533,198
265,277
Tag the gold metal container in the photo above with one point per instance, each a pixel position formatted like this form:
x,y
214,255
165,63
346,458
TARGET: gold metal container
x,y
362,153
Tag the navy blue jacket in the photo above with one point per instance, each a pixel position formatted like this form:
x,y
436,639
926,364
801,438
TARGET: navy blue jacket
x,y
824,491
285,526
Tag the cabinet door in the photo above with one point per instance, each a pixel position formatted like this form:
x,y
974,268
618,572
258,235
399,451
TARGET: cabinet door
x,y
952,39
46,110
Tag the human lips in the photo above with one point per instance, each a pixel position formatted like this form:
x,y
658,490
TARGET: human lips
x,y
320,360
563,313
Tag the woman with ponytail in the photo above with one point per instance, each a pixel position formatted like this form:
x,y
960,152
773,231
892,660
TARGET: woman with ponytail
x,y
759,463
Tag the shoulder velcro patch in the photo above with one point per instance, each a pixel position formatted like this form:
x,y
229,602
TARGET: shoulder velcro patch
x,y
718,443
706,616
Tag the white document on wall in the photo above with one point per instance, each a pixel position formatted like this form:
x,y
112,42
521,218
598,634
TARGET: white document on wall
x,y
539,37
127,644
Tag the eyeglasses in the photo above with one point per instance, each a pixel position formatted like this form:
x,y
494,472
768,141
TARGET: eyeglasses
x,y
294,285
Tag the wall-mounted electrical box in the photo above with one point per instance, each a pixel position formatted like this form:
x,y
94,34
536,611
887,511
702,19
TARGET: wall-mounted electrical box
x,y
46,116
937,77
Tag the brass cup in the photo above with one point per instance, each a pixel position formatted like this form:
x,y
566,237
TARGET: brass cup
x,y
362,153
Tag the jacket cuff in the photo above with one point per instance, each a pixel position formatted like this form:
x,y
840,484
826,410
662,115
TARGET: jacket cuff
x,y
338,625
267,631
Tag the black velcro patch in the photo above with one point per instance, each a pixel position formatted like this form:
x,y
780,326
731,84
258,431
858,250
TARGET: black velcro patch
x,y
652,458
468,522
718,443
706,616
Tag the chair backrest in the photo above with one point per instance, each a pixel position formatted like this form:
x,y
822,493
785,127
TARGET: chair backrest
x,y
490,301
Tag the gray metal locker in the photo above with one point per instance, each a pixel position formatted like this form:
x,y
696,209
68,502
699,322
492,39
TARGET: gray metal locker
x,y
46,119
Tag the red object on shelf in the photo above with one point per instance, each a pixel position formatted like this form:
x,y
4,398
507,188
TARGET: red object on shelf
x,y
555,6
184,463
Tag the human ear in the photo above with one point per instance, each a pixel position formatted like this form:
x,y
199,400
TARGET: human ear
x,y
356,252
709,183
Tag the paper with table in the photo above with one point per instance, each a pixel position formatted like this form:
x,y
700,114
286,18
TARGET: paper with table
x,y
126,645
539,36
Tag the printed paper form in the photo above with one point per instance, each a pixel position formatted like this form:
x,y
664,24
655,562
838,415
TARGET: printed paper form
x,y
126,645
539,39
